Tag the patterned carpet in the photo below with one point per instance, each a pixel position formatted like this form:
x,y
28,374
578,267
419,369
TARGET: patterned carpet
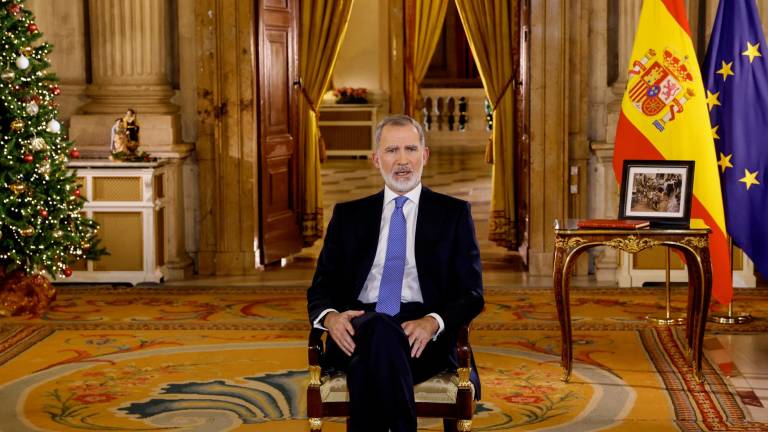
x,y
219,359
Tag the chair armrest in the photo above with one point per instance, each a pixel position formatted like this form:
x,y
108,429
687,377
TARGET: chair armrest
x,y
315,348
464,351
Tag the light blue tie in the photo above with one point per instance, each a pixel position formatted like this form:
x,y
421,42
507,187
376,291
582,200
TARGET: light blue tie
x,y
391,287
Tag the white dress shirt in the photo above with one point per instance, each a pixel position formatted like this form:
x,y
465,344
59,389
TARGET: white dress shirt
x,y
411,292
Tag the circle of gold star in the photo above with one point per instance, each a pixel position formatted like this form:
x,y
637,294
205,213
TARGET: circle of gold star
x,y
749,178
725,162
712,99
726,70
752,51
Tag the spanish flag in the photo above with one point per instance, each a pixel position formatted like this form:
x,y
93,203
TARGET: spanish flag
x,y
664,115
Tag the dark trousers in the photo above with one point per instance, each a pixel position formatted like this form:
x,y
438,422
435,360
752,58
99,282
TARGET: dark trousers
x,y
381,372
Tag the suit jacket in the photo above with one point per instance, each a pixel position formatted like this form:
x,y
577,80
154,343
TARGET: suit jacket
x,y
446,253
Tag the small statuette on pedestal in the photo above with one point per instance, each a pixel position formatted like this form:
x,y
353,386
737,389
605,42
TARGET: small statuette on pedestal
x,y
125,140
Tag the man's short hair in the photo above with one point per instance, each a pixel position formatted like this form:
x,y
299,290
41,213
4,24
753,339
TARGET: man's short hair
x,y
399,120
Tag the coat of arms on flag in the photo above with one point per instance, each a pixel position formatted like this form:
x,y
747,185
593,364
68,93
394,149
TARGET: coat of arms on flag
x,y
658,86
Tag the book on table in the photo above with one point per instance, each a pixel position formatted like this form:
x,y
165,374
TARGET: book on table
x,y
613,223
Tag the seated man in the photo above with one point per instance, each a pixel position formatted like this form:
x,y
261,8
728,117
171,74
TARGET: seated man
x,y
398,275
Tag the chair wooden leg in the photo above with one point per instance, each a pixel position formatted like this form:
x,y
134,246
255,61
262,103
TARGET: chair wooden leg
x,y
449,425
315,424
349,425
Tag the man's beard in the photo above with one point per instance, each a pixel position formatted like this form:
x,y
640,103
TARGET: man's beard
x,y
402,184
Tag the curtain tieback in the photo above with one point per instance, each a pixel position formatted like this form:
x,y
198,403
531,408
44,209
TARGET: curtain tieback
x,y
312,107
503,93
489,147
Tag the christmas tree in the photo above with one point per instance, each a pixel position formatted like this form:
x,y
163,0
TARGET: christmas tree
x,y
42,229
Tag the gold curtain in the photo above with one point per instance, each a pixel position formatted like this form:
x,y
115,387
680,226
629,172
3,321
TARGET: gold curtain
x,y
323,25
424,20
491,27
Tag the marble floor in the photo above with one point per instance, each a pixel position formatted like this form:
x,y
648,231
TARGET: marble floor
x,y
460,171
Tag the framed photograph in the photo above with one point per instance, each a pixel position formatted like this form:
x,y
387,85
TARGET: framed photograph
x,y
658,191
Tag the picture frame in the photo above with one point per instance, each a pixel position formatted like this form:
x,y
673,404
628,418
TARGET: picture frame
x,y
659,191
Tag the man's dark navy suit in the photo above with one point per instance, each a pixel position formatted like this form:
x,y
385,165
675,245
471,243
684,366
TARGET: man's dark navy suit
x,y
448,267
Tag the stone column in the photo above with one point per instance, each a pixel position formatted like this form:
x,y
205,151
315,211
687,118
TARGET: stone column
x,y
605,105
178,264
605,204
129,53
549,77
629,15
130,63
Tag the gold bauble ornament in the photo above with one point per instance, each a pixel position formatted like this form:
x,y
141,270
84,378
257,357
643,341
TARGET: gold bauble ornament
x,y
8,75
17,125
27,51
44,168
58,233
26,232
86,246
18,188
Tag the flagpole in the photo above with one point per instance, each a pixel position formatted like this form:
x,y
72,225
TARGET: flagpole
x,y
667,319
730,318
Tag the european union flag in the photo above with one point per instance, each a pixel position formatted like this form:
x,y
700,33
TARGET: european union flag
x,y
736,81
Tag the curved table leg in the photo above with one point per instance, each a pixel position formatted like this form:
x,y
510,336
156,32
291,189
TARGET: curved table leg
x,y
701,319
694,298
561,304
564,260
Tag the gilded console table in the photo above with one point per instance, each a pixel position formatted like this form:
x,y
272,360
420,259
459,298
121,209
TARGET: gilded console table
x,y
693,243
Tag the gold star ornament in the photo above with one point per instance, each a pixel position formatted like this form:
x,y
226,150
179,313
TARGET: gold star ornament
x,y
752,51
749,178
712,99
726,70
725,162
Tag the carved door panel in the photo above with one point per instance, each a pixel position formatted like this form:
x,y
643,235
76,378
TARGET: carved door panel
x,y
277,64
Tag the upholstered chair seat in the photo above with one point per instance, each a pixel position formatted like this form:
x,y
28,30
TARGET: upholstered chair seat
x,y
448,395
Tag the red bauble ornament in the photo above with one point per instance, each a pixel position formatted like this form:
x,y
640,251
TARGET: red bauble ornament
x,y
74,153
76,192
28,158
14,9
37,99
44,213
67,272
56,90
32,27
